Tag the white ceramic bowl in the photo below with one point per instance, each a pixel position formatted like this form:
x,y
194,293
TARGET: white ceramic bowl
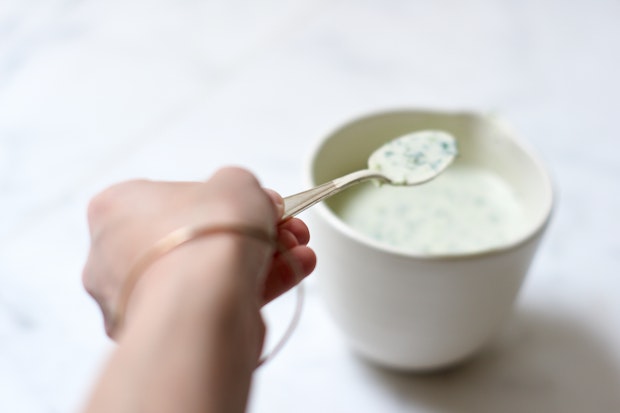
x,y
417,312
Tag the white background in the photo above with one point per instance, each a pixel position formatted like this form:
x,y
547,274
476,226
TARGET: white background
x,y
92,92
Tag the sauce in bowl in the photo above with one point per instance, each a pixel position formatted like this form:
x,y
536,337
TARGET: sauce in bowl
x,y
465,209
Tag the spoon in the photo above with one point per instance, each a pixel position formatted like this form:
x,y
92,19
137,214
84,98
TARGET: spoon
x,y
411,159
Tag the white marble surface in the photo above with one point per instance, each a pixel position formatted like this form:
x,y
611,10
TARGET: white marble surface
x,y
92,92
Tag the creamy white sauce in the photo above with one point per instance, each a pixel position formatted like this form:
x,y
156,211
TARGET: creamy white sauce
x,y
465,209
415,157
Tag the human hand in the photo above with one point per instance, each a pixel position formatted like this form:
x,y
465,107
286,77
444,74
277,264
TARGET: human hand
x,y
130,217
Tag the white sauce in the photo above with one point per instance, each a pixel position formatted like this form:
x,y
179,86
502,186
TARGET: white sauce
x,y
465,209
414,158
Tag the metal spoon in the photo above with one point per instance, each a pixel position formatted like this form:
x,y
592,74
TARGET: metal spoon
x,y
411,159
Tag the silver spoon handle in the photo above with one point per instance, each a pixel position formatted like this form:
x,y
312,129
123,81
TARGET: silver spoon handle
x,y
296,203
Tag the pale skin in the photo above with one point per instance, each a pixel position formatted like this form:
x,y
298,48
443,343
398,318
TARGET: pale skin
x,y
193,332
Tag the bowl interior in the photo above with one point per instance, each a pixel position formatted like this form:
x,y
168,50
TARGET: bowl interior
x,y
483,141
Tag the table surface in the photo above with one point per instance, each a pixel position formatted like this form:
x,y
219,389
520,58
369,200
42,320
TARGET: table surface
x,y
93,92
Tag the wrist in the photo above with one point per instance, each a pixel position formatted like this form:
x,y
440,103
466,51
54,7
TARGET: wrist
x,y
192,323
208,276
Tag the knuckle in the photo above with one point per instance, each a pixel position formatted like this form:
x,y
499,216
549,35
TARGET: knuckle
x,y
237,174
98,206
88,281
106,201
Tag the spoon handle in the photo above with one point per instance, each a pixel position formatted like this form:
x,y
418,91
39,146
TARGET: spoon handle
x,y
296,203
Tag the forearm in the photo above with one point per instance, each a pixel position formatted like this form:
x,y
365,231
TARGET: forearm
x,y
191,343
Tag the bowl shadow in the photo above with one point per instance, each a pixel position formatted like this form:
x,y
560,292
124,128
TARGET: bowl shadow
x,y
538,364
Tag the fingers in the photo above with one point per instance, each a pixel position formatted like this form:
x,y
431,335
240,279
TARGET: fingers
x,y
288,270
298,228
293,262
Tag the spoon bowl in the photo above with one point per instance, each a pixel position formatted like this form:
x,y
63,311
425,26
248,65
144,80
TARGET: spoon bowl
x,y
408,160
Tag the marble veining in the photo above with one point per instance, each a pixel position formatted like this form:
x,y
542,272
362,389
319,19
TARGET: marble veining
x,y
94,92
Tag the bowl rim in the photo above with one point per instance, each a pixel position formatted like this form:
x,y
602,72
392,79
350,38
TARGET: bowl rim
x,y
537,228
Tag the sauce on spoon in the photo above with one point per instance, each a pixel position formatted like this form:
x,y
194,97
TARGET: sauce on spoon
x,y
414,158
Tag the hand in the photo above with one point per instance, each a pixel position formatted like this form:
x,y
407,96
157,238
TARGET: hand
x,y
128,218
